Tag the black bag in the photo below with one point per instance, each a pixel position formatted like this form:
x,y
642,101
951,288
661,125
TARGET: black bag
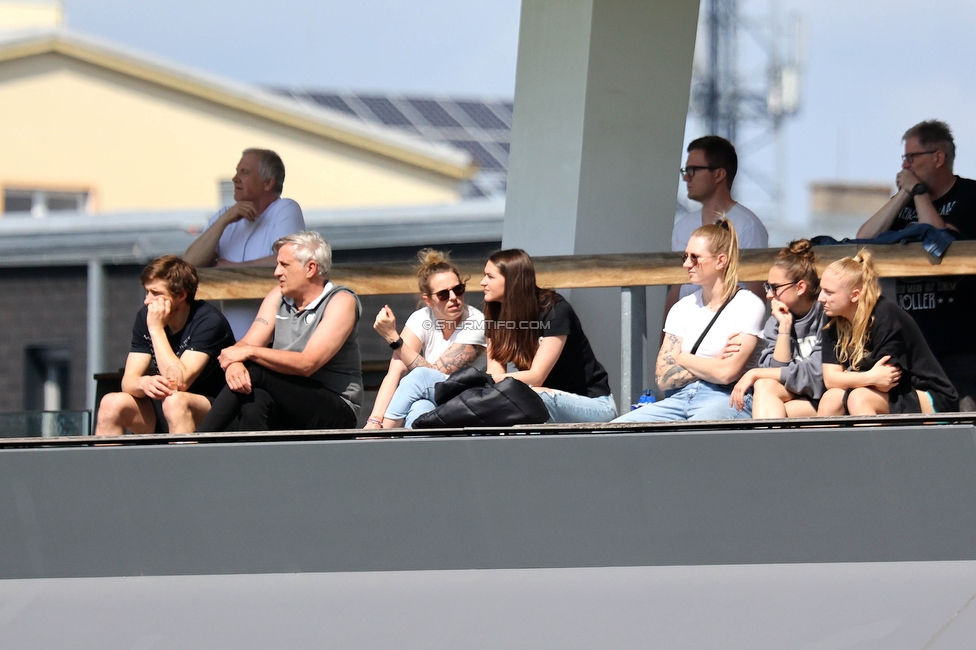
x,y
471,398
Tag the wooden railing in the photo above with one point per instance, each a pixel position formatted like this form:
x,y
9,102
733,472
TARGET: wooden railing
x,y
627,271
588,271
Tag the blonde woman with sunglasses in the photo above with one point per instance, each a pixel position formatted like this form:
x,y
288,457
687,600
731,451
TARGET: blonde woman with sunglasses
x,y
441,337
692,370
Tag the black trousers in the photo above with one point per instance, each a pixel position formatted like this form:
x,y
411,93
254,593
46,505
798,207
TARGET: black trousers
x,y
278,402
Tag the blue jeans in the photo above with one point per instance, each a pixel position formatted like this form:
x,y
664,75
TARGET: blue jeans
x,y
414,396
570,407
699,400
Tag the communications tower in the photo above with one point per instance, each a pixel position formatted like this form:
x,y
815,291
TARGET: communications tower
x,y
745,89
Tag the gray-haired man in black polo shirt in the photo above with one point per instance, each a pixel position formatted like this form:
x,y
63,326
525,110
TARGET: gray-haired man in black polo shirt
x,y
930,192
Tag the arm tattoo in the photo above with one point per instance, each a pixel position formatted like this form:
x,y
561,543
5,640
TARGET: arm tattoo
x,y
667,373
456,357
418,362
260,320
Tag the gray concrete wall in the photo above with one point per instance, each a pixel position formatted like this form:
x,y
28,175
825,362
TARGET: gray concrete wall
x,y
821,538
641,499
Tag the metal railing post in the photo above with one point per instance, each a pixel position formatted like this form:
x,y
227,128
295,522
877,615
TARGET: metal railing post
x,y
96,327
633,328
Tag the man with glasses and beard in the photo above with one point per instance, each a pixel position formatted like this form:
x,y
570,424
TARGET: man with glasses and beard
x,y
929,192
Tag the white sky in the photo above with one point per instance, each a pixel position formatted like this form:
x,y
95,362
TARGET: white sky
x,y
874,67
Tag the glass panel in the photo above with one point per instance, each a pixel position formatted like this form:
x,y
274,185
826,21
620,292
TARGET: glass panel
x,y
36,424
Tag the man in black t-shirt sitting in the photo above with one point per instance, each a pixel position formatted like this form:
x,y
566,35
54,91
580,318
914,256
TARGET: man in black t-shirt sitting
x,y
929,192
171,374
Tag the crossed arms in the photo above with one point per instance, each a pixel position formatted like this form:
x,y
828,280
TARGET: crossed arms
x,y
675,368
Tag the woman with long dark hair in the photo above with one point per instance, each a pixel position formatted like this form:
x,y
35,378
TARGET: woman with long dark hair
x,y
537,332
691,368
875,359
789,380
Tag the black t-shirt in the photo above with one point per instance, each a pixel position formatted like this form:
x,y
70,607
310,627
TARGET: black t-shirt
x,y
206,330
893,333
577,370
943,306
957,207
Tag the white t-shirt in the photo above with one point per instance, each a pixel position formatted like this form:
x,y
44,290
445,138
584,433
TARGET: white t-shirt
x,y
423,323
689,317
243,240
748,228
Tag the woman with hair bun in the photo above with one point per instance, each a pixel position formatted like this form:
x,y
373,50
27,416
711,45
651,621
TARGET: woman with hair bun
x,y
537,331
438,339
789,379
875,359
692,368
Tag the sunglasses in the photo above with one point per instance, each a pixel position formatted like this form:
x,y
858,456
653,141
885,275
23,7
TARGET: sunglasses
x,y
774,288
694,258
445,294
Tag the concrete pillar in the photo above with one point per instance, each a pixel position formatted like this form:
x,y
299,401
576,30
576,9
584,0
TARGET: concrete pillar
x,y
601,96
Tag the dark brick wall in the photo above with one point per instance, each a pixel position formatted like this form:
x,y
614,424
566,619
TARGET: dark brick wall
x,y
44,306
123,297
41,306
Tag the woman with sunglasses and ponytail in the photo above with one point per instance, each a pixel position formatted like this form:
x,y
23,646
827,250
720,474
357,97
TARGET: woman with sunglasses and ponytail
x,y
691,369
441,337
536,331
875,359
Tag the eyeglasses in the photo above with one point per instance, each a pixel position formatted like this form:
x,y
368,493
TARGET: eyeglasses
x,y
695,258
774,288
445,294
690,170
910,157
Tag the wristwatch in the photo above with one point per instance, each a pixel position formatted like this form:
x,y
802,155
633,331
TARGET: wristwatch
x,y
396,344
919,188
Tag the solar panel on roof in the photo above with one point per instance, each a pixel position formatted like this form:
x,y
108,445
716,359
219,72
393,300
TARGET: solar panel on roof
x,y
434,113
384,109
437,121
481,156
331,101
482,115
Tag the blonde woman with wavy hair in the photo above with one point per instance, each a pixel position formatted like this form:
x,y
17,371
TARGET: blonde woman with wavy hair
x,y
875,359
692,370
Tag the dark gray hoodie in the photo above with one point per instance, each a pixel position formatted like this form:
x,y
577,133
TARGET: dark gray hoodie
x,y
804,374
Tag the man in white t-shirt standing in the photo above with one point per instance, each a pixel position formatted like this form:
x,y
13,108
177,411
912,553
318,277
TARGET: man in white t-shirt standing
x,y
708,172
243,234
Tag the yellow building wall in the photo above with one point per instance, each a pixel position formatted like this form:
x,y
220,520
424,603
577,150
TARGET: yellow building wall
x,y
25,15
140,146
